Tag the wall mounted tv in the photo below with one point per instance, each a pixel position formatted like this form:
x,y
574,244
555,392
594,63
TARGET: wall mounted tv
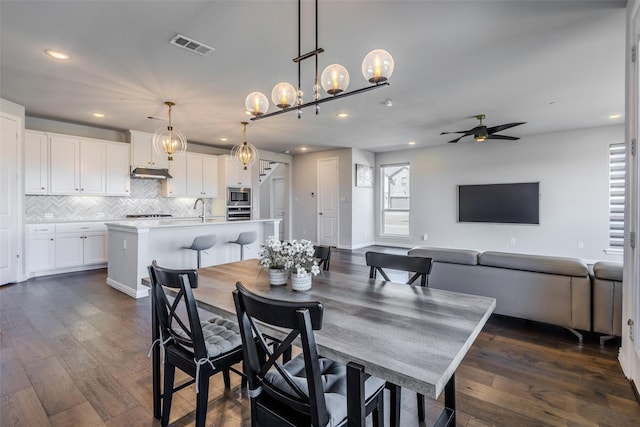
x,y
517,203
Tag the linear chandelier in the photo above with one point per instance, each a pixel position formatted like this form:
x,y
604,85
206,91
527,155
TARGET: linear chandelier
x,y
377,67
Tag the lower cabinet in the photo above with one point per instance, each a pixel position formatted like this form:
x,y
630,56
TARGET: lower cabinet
x,y
70,246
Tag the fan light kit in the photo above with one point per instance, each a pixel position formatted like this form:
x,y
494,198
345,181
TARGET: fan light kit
x,y
377,67
481,132
169,141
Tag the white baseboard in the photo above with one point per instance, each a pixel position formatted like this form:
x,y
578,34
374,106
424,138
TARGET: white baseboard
x,y
141,292
65,270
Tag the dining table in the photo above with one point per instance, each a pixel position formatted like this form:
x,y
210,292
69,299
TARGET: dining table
x,y
411,336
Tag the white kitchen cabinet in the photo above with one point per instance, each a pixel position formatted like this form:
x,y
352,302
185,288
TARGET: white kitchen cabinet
x,y
79,244
56,248
142,152
117,169
176,186
41,246
202,175
76,166
232,174
36,162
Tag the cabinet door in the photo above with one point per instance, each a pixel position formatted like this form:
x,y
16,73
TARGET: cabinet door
x,y
176,186
117,170
36,163
69,249
194,175
209,176
95,247
41,252
143,154
92,167
64,172
244,176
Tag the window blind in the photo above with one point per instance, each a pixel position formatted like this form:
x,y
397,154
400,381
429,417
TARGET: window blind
x,y
617,156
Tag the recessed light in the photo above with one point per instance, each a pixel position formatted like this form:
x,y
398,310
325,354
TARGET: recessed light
x,y
343,115
412,143
614,116
98,115
224,139
57,54
303,148
286,152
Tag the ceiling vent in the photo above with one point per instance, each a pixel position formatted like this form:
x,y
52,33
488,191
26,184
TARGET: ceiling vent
x,y
190,44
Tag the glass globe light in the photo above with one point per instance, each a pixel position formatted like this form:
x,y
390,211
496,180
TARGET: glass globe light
x,y
334,79
283,95
256,103
377,66
169,140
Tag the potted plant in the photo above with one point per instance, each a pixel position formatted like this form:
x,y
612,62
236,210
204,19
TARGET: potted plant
x,y
302,263
274,256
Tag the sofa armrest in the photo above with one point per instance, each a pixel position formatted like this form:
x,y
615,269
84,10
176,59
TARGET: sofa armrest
x,y
608,271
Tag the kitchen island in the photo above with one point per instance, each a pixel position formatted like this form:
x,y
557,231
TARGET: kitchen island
x,y
132,245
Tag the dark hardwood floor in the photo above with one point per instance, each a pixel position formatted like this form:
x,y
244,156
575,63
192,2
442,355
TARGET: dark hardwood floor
x,y
73,351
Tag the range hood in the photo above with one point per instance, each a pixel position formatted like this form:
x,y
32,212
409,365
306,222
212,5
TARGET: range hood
x,y
150,173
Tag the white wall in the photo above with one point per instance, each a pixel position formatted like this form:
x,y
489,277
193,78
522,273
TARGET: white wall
x,y
572,168
363,212
304,182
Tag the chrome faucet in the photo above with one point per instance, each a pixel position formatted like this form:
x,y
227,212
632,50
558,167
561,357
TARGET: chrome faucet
x,y
199,199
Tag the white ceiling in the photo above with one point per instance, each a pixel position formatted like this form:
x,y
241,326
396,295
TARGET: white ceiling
x,y
556,65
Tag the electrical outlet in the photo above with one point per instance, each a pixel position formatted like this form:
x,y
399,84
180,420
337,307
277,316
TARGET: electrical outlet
x,y
580,244
513,240
124,245
425,236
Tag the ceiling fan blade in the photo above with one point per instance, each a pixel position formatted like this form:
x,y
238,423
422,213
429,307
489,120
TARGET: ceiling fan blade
x,y
458,139
508,138
460,131
498,128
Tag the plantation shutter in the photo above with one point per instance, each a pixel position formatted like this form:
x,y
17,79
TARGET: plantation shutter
x,y
617,155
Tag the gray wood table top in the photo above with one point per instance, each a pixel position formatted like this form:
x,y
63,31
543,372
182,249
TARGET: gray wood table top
x,y
411,336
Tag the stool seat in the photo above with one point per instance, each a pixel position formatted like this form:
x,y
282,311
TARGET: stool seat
x,y
201,243
244,238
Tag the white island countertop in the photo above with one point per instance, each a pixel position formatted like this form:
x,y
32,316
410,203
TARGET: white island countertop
x,y
134,244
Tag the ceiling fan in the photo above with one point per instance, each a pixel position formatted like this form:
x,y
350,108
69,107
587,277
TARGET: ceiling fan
x,y
481,132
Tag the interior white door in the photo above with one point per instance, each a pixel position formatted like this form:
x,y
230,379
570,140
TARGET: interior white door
x,y
328,212
9,200
278,203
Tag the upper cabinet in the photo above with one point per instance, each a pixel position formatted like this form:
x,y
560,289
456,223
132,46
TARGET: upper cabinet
x,y
76,168
202,175
60,164
36,162
232,174
117,168
142,152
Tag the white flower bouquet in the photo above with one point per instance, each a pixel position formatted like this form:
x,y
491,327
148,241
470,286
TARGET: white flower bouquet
x,y
301,258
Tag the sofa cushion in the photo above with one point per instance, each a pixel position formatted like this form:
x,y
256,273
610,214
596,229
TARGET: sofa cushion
x,y
536,263
608,270
454,256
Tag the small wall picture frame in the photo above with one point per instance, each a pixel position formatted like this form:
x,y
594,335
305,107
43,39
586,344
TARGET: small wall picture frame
x,y
364,175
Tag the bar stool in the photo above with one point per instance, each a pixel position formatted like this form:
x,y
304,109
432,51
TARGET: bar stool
x,y
201,243
243,239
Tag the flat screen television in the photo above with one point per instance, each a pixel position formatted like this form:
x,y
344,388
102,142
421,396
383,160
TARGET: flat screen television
x,y
517,203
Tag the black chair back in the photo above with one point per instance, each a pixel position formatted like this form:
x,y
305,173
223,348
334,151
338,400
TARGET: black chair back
x,y
378,261
261,362
323,253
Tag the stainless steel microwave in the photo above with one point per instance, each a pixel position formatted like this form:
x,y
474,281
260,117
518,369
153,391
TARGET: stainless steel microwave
x,y
238,196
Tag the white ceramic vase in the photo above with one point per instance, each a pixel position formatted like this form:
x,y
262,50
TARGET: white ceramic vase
x,y
278,276
301,282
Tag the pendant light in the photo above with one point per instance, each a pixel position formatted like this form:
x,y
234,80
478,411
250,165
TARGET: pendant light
x,y
245,153
169,141
377,68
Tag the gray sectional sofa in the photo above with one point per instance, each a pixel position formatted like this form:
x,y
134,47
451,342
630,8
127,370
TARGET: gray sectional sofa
x,y
547,289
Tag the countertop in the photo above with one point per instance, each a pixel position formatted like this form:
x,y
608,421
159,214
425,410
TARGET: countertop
x,y
176,223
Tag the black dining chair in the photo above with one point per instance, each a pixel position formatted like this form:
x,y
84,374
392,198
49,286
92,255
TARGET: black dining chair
x,y
308,390
200,349
421,267
323,254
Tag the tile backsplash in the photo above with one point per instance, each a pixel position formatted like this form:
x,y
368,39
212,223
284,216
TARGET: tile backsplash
x,y
146,198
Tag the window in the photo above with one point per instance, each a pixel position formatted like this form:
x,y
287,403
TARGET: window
x,y
617,155
395,199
